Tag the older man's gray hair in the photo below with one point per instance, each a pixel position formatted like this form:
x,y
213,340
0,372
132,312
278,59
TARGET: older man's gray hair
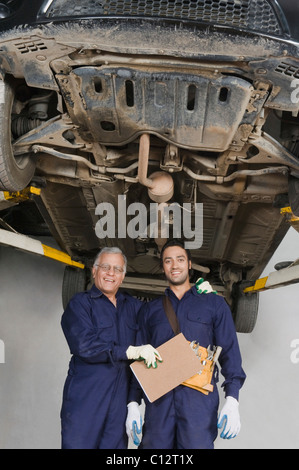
x,y
110,250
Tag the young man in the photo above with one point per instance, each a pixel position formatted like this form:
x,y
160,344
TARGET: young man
x,y
186,418
100,326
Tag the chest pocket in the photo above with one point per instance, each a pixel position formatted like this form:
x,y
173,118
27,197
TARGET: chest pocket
x,y
105,328
128,331
201,317
104,322
200,327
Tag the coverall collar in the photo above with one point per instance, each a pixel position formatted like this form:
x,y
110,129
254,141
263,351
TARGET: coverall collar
x,y
170,293
95,293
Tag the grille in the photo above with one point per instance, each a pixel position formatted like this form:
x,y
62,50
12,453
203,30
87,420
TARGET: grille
x,y
288,69
30,46
251,15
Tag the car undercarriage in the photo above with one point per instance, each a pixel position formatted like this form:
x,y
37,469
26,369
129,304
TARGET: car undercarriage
x,y
160,112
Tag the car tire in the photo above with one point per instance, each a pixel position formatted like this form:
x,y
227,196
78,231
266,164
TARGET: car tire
x,y
15,172
245,308
74,280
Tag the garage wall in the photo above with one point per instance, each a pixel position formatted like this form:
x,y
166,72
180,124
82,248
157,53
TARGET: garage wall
x,y
36,354
36,358
269,406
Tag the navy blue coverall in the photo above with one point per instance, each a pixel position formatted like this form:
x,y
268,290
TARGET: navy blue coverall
x,y
186,418
95,394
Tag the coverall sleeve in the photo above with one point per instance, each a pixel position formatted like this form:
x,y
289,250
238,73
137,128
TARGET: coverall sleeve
x,y
135,390
230,358
83,338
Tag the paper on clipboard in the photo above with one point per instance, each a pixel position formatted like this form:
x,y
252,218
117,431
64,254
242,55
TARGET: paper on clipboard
x,y
179,364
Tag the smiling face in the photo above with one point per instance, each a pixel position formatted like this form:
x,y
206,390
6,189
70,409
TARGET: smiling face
x,y
176,265
109,273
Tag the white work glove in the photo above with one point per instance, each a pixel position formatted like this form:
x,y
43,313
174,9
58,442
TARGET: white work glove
x,y
134,422
230,418
204,287
145,352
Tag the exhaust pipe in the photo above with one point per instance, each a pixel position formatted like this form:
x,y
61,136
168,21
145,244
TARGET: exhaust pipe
x,y
160,184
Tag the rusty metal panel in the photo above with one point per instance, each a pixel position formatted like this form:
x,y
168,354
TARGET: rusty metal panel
x,y
117,104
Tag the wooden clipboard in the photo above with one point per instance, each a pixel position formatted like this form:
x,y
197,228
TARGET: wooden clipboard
x,y
179,364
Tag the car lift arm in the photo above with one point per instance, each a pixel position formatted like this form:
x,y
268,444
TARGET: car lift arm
x,y
22,242
30,245
283,277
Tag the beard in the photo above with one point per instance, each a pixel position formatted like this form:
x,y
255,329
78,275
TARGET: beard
x,y
179,280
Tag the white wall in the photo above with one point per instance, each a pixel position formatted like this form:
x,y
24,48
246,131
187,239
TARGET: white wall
x,y
36,358
269,405
36,354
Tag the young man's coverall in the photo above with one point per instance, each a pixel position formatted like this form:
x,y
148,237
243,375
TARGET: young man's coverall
x,y
186,418
96,389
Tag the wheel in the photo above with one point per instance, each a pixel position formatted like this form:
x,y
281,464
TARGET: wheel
x,y
245,308
74,280
15,171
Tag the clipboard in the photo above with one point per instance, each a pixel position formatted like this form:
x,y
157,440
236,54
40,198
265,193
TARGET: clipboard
x,y
179,364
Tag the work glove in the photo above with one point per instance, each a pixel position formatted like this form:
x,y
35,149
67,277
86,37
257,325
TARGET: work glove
x,y
204,287
230,418
134,422
146,353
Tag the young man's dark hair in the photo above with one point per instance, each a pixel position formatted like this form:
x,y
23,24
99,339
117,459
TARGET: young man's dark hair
x,y
174,242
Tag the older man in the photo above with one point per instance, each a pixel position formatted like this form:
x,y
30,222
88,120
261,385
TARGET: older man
x,y
100,327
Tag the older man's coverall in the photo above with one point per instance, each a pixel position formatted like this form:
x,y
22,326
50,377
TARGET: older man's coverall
x,y
95,394
186,418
